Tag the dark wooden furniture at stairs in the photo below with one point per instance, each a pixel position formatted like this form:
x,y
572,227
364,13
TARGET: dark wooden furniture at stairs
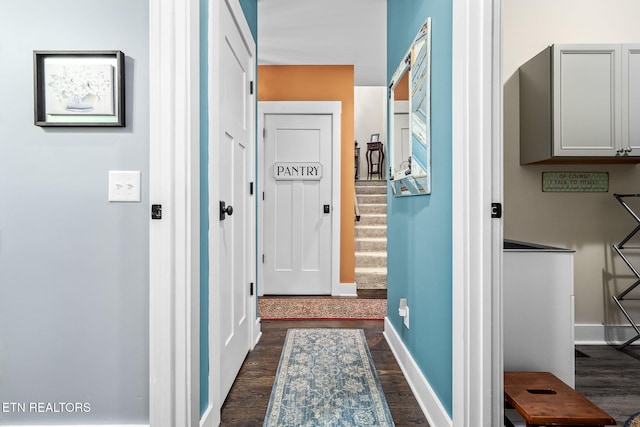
x,y
374,167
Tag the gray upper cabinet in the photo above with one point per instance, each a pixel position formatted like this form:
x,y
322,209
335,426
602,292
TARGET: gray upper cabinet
x,y
580,103
631,98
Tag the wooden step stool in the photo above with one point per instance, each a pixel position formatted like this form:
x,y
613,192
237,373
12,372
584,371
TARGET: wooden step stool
x,y
544,400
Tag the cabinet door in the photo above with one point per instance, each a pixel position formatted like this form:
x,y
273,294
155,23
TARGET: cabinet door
x,y
586,91
631,99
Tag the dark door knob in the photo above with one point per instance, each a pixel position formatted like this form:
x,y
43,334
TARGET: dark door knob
x,y
225,210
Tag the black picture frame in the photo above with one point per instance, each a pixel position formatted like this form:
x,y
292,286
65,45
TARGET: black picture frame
x,y
375,137
79,88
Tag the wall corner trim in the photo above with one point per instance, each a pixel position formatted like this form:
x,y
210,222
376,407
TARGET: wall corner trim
x,y
426,397
174,166
345,290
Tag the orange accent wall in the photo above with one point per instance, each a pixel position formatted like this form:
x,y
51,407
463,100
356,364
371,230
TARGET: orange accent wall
x,y
401,90
323,83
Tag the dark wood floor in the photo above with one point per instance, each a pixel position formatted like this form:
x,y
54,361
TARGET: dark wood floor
x,y
362,294
247,402
610,378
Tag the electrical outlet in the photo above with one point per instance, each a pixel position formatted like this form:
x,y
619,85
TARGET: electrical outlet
x,y
403,306
406,317
403,311
124,186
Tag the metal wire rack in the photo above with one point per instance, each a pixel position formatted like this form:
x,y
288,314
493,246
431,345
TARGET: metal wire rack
x,y
620,248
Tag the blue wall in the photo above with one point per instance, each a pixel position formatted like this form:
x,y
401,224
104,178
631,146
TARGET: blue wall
x,y
250,9
204,207
419,228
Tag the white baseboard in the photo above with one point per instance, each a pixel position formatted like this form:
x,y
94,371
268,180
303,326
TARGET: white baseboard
x,y
426,397
257,332
589,334
207,419
345,290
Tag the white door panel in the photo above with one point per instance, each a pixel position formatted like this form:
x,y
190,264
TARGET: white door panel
x,y
297,231
232,174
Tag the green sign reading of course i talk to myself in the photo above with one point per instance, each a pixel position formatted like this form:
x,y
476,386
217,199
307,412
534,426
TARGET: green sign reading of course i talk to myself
x,y
581,182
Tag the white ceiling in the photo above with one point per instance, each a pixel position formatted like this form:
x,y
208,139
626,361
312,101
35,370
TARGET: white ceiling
x,y
326,32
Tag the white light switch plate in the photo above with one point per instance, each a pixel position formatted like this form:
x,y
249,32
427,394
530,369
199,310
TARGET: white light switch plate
x,y
124,186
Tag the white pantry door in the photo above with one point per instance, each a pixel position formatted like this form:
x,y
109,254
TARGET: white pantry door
x,y
297,204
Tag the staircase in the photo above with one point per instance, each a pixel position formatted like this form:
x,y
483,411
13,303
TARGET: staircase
x,y
371,235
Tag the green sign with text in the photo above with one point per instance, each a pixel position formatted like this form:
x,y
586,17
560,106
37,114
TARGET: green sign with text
x,y
579,182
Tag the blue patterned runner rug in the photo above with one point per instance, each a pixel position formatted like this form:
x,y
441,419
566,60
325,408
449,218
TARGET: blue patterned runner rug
x,y
326,377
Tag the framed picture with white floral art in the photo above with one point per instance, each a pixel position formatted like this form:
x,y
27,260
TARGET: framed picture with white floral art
x,y
79,88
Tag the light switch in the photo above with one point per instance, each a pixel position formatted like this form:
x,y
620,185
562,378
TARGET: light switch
x,y
124,186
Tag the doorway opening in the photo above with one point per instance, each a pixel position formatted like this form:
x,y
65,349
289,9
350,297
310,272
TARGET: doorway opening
x,y
292,166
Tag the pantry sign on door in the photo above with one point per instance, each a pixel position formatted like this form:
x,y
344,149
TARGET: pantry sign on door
x,y
289,171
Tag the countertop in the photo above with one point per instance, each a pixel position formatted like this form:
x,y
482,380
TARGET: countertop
x,y
517,246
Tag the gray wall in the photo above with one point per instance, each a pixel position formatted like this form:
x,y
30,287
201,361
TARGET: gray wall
x,y
73,267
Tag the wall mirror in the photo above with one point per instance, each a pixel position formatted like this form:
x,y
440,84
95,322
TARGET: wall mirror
x,y
410,119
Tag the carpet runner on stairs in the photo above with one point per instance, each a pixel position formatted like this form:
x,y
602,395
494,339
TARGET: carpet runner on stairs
x,y
371,235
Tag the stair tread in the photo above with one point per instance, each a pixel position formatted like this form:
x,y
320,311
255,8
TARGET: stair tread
x,y
373,226
372,254
371,269
371,239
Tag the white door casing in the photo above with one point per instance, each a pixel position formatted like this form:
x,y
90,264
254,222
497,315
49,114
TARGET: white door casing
x,y
315,218
174,261
477,237
173,181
